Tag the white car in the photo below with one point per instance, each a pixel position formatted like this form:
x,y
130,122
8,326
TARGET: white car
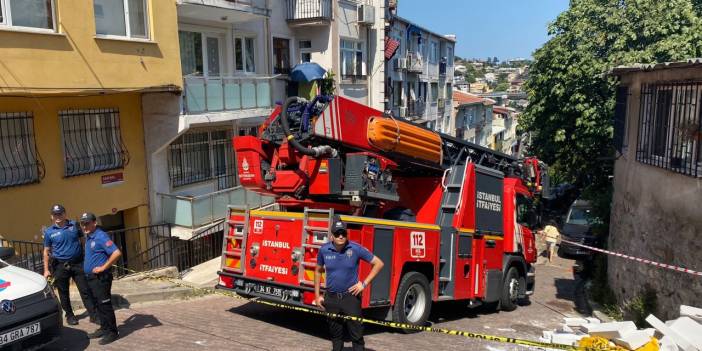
x,y
30,314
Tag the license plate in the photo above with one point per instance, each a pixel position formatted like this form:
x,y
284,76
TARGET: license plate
x,y
269,290
20,333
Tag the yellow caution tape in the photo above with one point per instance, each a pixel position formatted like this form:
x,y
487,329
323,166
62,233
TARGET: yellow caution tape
x,y
395,325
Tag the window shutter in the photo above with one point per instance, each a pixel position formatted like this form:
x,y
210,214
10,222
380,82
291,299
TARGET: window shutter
x,y
622,97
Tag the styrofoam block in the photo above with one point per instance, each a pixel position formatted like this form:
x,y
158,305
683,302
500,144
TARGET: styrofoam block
x,y
666,343
692,312
565,329
547,334
566,338
678,339
574,322
690,329
635,339
609,330
593,320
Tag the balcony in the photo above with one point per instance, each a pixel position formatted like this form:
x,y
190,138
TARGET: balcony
x,y
229,11
309,12
416,109
415,63
203,94
442,68
196,211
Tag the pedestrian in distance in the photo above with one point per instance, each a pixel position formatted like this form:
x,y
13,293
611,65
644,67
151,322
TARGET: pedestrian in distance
x,y
552,238
340,259
63,259
100,254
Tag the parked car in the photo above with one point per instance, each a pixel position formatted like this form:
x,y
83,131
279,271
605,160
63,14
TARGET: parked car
x,y
577,227
30,314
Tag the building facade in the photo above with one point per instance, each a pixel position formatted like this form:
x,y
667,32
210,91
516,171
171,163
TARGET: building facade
x,y
657,183
420,72
73,81
235,60
471,118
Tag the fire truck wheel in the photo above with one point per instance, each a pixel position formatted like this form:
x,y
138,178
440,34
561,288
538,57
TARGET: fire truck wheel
x,y
510,290
413,300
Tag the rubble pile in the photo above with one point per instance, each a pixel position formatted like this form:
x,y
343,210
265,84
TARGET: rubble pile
x,y
682,334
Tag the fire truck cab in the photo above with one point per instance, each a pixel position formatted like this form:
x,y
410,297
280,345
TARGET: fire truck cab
x,y
452,226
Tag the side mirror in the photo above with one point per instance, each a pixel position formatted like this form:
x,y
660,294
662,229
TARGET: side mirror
x,y
6,253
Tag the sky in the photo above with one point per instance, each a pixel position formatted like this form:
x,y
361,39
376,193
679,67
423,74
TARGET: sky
x,y
487,28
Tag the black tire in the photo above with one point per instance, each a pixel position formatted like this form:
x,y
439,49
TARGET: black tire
x,y
413,301
510,290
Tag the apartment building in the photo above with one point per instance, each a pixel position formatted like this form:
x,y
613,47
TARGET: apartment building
x,y
235,59
74,77
419,81
471,118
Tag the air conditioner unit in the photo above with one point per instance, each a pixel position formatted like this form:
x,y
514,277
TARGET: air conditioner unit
x,y
366,14
403,112
400,64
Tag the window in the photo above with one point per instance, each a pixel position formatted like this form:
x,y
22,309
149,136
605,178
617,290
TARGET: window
x,y
92,141
434,92
27,13
200,156
352,64
281,56
245,54
124,18
670,127
525,215
449,91
19,160
449,50
434,52
200,54
305,50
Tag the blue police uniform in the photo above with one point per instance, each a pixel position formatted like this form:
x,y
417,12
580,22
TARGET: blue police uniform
x,y
66,263
64,241
341,267
98,249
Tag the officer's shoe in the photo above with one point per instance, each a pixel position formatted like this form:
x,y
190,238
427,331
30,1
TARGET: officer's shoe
x,y
108,338
97,334
94,320
72,320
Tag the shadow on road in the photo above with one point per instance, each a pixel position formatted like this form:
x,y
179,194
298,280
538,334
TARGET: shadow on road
x,y
136,322
71,339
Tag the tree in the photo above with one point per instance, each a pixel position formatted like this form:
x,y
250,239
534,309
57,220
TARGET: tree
x,y
571,97
502,86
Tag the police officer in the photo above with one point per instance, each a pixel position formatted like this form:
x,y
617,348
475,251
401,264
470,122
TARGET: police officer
x,y
63,258
340,258
100,254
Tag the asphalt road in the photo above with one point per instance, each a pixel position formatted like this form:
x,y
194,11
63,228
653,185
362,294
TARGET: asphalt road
x,y
223,323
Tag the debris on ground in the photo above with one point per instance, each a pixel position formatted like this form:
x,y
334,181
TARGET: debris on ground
x,y
682,334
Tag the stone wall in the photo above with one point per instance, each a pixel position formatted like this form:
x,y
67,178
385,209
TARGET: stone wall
x,y
657,215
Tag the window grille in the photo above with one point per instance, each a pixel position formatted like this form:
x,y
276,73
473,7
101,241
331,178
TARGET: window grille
x,y
20,162
92,141
201,156
670,127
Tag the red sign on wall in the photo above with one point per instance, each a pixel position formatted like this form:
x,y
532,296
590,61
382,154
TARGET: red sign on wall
x,y
112,179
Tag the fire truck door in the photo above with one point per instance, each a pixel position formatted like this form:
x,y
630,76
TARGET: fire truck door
x,y
488,233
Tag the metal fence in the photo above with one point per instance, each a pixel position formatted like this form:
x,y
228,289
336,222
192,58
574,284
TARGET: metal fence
x,y
141,248
28,254
309,10
670,127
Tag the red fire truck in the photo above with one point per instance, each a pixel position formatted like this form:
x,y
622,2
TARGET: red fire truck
x,y
451,220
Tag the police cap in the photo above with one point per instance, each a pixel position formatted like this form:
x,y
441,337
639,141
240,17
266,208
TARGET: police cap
x,y
338,226
87,217
58,209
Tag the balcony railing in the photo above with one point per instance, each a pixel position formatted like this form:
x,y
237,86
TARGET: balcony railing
x,y
415,63
304,11
207,94
416,109
257,7
196,211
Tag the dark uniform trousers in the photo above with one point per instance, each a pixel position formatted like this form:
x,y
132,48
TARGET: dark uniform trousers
x,y
63,271
101,288
345,304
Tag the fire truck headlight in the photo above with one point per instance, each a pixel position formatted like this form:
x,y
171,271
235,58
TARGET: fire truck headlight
x,y
253,250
